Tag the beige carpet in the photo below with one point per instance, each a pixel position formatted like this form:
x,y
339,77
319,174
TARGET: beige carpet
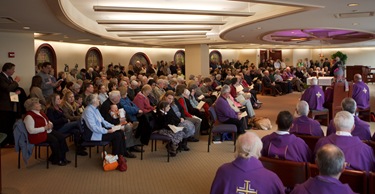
x,y
188,173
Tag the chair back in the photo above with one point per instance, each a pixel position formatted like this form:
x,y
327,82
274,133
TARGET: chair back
x,y
309,140
371,182
212,114
289,172
84,130
357,180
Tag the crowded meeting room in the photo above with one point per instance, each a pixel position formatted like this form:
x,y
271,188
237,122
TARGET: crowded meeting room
x,y
187,97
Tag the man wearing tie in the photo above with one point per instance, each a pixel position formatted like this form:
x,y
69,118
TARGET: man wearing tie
x,y
8,109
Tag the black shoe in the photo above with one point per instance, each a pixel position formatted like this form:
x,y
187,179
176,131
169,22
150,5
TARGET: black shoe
x,y
129,154
192,139
135,149
67,161
81,152
60,163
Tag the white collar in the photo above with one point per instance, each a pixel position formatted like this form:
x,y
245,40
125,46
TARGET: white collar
x,y
343,133
282,132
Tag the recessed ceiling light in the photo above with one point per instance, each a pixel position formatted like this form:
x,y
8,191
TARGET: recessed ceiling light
x,y
352,4
355,24
259,28
26,28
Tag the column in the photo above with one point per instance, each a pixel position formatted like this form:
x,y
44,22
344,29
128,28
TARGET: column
x,y
197,60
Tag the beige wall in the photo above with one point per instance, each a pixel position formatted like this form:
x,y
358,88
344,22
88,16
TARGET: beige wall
x,y
75,54
356,56
22,45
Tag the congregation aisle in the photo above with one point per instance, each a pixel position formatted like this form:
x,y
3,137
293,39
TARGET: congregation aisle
x,y
188,172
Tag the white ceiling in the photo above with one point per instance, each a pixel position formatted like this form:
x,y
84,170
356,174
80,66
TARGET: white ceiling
x,y
75,21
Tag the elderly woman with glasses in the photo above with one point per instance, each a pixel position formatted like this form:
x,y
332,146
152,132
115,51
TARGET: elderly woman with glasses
x,y
99,129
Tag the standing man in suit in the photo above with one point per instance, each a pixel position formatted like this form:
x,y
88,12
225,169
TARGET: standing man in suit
x,y
8,109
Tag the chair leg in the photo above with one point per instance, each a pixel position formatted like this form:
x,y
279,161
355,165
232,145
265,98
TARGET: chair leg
x,y
156,145
97,149
90,152
168,152
209,142
75,158
19,158
47,156
142,152
152,145
39,151
36,152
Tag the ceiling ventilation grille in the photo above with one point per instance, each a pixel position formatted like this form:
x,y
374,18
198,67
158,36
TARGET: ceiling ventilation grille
x,y
7,20
354,15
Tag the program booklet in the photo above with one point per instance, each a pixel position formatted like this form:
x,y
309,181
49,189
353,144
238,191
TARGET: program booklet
x,y
200,104
175,129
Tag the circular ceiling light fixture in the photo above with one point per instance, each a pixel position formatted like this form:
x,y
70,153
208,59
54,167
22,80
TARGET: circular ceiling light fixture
x,y
317,36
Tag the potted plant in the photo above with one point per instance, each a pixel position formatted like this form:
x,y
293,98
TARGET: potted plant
x,y
343,57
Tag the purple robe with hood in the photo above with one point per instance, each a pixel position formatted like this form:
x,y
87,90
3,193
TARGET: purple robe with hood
x,y
358,155
322,185
246,176
361,94
306,126
361,129
314,96
286,146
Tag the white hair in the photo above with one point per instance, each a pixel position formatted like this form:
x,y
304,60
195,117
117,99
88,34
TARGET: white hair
x,y
344,121
302,108
114,94
248,145
134,83
225,89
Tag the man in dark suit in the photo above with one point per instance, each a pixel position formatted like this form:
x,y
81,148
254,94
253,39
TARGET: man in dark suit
x,y
8,109
266,80
131,142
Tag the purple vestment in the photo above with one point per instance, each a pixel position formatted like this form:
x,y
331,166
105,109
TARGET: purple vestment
x,y
306,126
245,176
361,129
322,185
287,146
314,96
358,155
223,110
361,94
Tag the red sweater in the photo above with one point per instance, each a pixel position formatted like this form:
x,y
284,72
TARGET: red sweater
x,y
39,122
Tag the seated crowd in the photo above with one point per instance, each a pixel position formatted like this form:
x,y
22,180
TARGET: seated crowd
x,y
126,108
123,108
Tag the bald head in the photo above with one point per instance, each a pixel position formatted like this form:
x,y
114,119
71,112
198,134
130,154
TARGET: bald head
x,y
313,81
357,77
344,121
248,145
330,160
